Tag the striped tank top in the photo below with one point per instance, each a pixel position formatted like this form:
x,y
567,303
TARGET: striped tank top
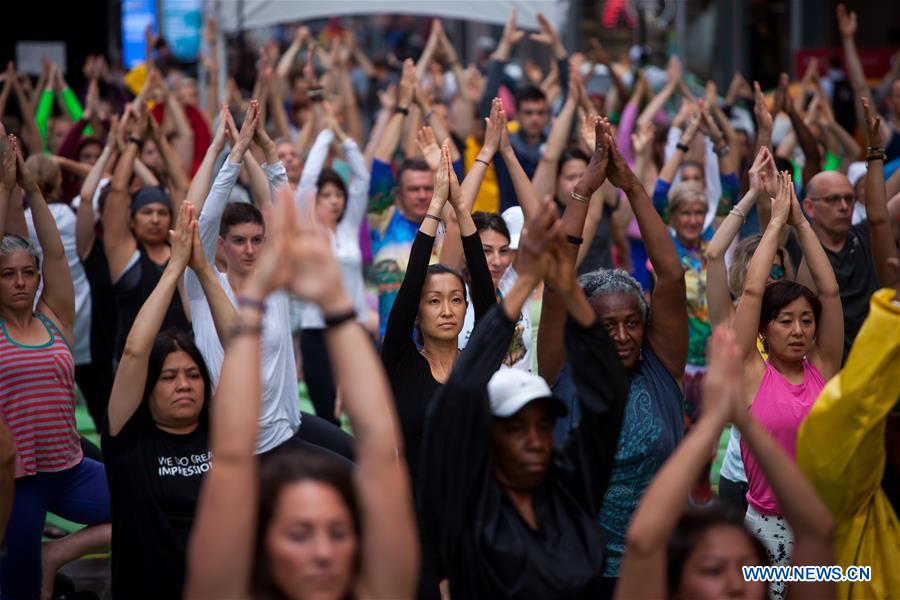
x,y
37,401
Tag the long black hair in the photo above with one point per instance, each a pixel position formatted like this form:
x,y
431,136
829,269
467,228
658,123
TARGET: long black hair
x,y
167,342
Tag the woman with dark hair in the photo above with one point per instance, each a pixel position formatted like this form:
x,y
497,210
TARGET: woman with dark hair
x,y
495,239
307,527
699,552
37,395
155,438
341,210
432,299
651,341
724,287
803,338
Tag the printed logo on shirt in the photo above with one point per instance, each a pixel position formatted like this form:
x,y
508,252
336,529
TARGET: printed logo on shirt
x,y
184,466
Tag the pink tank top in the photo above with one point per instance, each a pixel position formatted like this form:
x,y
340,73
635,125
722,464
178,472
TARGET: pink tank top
x,y
37,401
780,407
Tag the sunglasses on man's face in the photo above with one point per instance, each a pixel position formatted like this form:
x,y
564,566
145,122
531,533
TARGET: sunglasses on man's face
x,y
776,272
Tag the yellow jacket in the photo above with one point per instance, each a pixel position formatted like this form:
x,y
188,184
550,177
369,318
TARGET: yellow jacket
x,y
840,447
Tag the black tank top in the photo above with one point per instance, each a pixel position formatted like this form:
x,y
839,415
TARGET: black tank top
x,y
131,294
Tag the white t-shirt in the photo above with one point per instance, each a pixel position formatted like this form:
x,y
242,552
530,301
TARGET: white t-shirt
x,y
65,223
520,349
279,418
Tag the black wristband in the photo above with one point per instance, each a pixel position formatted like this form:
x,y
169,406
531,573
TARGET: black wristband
x,y
403,110
574,239
484,162
136,141
340,319
243,329
682,147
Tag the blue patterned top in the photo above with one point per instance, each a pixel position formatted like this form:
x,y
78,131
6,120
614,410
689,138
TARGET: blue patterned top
x,y
653,426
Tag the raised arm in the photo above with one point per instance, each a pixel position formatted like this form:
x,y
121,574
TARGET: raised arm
x,y
526,193
763,119
85,219
389,547
402,318
746,317
214,204
718,295
8,167
829,344
59,292
118,241
847,23
668,330
643,573
390,137
673,78
173,159
127,393
544,180
221,548
883,244
202,179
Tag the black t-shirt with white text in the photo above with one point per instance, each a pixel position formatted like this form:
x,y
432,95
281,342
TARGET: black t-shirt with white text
x,y
154,483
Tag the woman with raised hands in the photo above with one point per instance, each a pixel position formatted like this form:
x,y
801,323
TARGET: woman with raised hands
x,y
651,341
341,209
432,300
724,287
135,234
37,396
699,552
155,438
492,230
303,526
803,337
509,515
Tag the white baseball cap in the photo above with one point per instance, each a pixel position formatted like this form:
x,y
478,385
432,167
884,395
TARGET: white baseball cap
x,y
514,219
511,389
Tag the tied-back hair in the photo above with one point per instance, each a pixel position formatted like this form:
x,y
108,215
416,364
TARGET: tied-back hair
x,y
46,174
440,269
167,342
283,468
691,527
603,282
740,261
488,221
13,242
781,293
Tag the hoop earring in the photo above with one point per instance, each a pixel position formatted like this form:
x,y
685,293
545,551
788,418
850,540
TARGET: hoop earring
x,y
765,343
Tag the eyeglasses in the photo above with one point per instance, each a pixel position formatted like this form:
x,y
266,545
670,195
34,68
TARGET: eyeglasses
x,y
776,272
834,199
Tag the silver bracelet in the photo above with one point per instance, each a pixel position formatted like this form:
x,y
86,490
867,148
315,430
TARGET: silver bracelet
x,y
579,198
738,213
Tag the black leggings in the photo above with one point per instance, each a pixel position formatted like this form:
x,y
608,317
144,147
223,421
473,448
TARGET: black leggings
x,y
95,380
323,434
317,373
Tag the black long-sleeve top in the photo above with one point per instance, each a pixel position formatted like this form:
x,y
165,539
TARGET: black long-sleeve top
x,y
410,375
485,547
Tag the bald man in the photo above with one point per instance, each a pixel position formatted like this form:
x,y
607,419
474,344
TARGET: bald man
x,y
829,203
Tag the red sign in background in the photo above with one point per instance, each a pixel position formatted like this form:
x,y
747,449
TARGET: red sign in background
x,y
875,61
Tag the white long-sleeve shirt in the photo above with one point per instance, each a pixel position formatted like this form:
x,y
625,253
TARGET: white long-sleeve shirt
x,y
345,239
710,170
279,418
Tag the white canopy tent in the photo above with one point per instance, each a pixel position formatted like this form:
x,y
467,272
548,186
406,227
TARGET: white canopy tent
x,y
235,15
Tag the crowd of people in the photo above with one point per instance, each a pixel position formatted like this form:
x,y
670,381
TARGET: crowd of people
x,y
525,317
